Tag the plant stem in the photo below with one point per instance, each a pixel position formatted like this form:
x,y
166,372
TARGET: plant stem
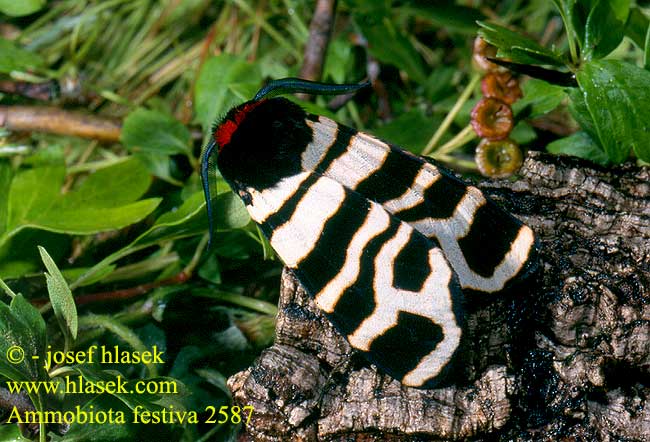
x,y
464,96
464,136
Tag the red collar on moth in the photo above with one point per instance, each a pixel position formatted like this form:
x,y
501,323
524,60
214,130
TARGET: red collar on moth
x,y
224,132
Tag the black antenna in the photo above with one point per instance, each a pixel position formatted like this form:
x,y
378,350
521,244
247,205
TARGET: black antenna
x,y
298,85
209,183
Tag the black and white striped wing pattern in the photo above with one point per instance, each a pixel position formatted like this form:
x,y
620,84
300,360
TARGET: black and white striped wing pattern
x,y
383,285
486,246
382,240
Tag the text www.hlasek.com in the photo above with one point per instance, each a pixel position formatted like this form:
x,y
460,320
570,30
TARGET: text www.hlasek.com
x,y
78,384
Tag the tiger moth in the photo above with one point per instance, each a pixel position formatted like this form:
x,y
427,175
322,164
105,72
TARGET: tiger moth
x,y
386,243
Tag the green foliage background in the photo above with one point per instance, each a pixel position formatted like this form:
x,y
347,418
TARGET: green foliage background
x,y
102,218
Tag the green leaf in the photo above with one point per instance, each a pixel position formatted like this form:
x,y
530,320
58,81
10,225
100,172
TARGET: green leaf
x,y
104,201
188,220
539,98
580,112
603,31
518,48
13,58
61,298
621,9
224,81
454,17
152,131
616,96
22,329
636,27
388,44
579,144
20,8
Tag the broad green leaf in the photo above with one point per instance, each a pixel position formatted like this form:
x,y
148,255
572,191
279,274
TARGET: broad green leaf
x,y
224,81
114,186
13,58
621,9
159,165
603,31
539,98
581,114
188,220
636,27
388,44
446,14
21,7
104,201
61,298
152,131
23,337
616,94
516,47
581,145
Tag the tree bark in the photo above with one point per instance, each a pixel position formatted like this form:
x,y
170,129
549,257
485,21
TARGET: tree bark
x,y
564,356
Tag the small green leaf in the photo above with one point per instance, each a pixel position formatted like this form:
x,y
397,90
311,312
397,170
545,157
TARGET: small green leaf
x,y
616,94
456,18
20,8
539,98
188,220
23,343
603,31
581,145
152,131
104,201
636,27
518,48
580,112
61,298
13,58
224,81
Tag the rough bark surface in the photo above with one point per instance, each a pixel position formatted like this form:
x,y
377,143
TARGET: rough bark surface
x,y
565,356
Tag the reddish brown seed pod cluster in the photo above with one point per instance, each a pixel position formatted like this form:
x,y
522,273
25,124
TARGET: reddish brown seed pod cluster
x,y
497,156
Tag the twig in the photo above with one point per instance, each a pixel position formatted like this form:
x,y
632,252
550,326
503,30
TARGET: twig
x,y
320,30
59,121
116,295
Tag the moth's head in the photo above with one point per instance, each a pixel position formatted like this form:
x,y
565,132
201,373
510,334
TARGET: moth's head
x,y
260,142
